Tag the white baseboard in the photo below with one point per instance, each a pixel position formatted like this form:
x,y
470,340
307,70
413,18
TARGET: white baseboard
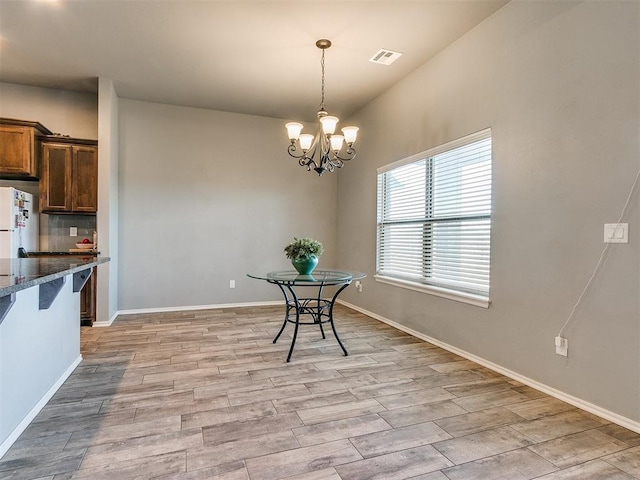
x,y
186,308
560,395
107,323
13,436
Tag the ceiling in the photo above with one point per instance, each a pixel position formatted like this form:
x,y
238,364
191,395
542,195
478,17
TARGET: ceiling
x,y
253,57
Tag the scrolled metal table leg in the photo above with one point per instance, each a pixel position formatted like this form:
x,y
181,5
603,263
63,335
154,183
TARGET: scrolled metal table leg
x,y
319,310
295,330
286,315
333,327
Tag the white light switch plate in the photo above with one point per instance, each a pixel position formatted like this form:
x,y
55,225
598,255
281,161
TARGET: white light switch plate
x,y
616,233
73,231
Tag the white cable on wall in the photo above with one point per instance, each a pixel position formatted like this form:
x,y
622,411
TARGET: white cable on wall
x,y
604,251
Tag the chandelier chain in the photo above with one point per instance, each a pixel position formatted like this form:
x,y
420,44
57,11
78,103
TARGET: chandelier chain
x,y
322,64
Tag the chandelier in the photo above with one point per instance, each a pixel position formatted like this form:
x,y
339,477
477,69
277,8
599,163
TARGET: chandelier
x,y
326,150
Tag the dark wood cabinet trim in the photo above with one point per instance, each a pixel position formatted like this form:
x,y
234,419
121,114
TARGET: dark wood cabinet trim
x,y
68,140
42,130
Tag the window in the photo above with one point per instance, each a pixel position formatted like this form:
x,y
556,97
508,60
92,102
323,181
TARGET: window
x,y
434,220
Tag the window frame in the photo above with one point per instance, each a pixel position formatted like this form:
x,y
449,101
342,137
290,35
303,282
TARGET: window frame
x,y
437,290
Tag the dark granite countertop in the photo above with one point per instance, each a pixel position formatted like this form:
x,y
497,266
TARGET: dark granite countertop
x,y
87,253
21,273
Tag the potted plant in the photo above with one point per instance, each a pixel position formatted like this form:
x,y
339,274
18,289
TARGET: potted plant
x,y
304,253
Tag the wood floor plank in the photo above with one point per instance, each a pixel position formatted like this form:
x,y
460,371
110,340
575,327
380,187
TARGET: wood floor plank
x,y
117,433
578,448
148,446
395,466
339,411
225,432
521,464
339,429
397,439
228,414
250,447
482,444
302,460
149,467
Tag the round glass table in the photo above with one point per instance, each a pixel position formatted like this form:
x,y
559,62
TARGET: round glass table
x,y
319,309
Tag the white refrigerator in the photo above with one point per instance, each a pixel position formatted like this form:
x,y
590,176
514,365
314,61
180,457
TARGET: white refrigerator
x,y
18,222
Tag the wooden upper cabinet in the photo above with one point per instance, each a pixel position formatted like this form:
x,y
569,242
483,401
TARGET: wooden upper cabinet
x,y
84,179
69,179
55,181
19,148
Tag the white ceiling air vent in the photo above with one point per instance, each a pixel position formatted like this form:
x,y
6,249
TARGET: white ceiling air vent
x,y
385,57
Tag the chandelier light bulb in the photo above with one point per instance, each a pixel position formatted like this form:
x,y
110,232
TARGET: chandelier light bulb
x,y
336,142
350,134
329,124
294,129
306,140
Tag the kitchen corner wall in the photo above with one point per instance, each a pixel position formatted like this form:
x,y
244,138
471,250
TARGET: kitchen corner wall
x,y
207,197
61,111
558,83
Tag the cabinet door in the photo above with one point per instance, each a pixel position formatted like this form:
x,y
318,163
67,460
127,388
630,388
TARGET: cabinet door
x,y
88,301
55,180
17,156
84,179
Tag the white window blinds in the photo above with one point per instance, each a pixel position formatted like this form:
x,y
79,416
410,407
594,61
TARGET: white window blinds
x,y
434,217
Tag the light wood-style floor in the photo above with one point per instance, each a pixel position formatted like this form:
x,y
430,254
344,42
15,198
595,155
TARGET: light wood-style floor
x,y
207,395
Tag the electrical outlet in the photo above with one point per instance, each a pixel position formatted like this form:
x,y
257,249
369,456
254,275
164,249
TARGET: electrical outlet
x,y
562,346
358,285
73,231
232,284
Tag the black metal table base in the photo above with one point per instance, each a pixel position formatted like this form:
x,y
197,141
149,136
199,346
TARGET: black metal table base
x,y
319,309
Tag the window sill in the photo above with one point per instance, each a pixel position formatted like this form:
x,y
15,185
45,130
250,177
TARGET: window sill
x,y
468,298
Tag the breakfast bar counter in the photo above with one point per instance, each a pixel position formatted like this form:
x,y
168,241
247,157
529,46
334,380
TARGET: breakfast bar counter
x,y
21,273
39,334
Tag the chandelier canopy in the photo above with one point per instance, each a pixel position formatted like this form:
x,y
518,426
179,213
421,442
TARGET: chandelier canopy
x,y
326,150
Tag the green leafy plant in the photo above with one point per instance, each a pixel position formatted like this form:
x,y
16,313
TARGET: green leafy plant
x,y
302,248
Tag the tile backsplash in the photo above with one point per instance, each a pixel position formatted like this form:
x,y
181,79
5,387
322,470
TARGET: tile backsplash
x,y
54,231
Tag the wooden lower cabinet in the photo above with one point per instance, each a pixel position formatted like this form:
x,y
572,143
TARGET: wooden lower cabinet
x,y
88,300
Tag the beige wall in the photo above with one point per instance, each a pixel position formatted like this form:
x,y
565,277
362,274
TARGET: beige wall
x,y
108,211
61,111
559,84
207,197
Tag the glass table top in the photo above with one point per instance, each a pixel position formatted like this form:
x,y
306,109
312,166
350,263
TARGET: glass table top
x,y
332,276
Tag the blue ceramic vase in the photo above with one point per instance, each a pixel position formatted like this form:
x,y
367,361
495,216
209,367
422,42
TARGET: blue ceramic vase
x,y
305,265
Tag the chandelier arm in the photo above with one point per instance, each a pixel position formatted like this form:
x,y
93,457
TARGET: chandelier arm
x,y
308,163
351,152
292,148
335,161
330,166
